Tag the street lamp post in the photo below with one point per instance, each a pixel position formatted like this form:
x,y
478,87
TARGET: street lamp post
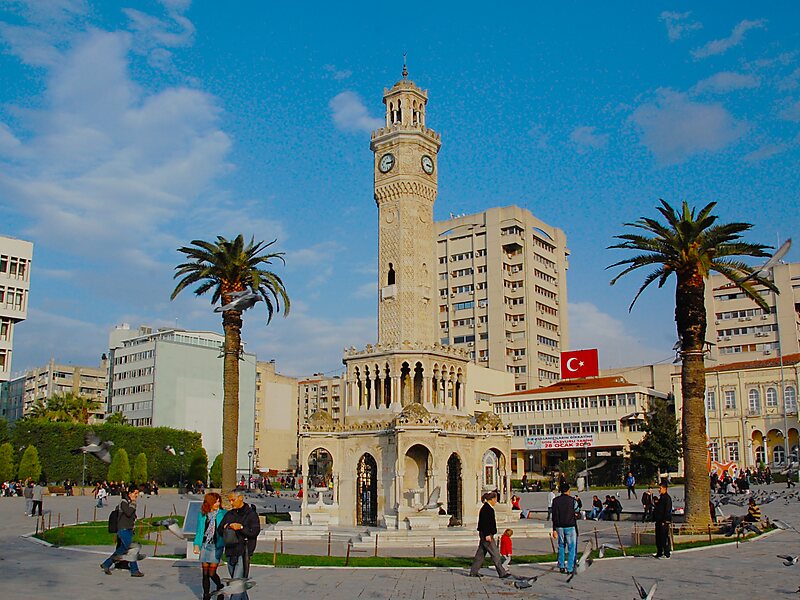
x,y
180,479
250,468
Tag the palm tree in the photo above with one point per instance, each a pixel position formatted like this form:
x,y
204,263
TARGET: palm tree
x,y
64,408
227,267
690,245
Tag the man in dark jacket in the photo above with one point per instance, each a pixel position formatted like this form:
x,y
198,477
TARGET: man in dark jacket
x,y
662,515
565,528
242,519
125,524
487,529
647,505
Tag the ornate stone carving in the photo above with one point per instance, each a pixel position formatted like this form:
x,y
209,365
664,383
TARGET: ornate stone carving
x,y
320,420
489,420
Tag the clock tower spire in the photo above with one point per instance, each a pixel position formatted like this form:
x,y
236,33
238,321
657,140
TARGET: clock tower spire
x,y
405,189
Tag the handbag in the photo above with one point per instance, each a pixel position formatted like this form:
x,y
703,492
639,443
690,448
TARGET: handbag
x,y
230,537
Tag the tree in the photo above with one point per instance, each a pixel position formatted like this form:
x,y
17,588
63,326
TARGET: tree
x,y
6,462
29,465
660,447
139,474
65,408
116,418
120,467
228,267
690,245
216,472
5,434
198,467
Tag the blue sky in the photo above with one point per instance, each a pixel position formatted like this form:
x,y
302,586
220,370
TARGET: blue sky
x,y
128,129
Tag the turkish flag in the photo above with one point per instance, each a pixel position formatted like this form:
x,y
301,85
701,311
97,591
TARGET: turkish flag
x,y
579,363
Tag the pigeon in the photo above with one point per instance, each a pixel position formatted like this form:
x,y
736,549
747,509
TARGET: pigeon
x,y
599,465
172,525
95,447
784,525
170,450
771,262
133,554
241,301
433,500
643,593
789,561
603,547
521,584
584,562
235,586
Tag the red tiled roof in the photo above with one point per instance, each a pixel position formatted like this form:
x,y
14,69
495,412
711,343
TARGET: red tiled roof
x,y
574,385
789,359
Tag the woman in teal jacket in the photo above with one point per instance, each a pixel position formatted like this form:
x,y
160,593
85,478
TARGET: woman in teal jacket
x,y
208,541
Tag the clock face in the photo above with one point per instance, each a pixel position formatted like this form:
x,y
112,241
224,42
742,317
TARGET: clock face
x,y
386,163
427,164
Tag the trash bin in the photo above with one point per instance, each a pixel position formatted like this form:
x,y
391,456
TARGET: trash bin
x,y
581,484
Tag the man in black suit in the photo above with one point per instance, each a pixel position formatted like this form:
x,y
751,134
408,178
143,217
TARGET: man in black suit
x,y
662,515
487,528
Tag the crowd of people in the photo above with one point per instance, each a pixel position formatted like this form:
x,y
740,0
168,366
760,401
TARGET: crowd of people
x,y
740,483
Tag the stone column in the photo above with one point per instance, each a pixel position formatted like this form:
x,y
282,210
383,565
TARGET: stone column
x,y
427,398
395,392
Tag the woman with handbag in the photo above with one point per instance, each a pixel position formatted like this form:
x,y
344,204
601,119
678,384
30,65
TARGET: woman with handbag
x,y
208,542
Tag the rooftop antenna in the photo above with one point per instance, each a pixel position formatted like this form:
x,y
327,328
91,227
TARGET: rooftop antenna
x,y
405,69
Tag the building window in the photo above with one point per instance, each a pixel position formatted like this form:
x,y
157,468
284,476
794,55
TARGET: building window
x,y
730,398
760,456
772,398
733,451
790,398
713,450
489,470
520,431
711,400
608,426
753,402
590,427
778,455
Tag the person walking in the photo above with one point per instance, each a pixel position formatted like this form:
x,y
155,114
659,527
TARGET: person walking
x,y
242,521
36,495
208,542
27,493
630,483
125,524
487,529
647,504
662,515
565,529
506,547
550,497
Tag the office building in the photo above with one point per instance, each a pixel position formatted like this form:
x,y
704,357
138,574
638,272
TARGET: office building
x,y
275,419
15,277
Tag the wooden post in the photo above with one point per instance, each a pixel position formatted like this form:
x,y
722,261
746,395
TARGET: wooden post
x,y
49,521
347,558
59,520
94,514
60,534
619,539
329,543
709,533
275,551
37,527
174,510
77,515
281,541
376,545
434,547
158,539
552,544
596,543
672,537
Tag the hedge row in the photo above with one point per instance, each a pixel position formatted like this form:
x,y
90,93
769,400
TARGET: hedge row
x,y
55,440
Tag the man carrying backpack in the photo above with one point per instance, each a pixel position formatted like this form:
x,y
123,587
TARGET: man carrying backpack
x,y
123,527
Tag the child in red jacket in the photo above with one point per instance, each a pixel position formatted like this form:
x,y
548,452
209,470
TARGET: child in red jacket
x,y
506,547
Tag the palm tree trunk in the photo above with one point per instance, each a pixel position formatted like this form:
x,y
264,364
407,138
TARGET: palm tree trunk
x,y
690,316
232,324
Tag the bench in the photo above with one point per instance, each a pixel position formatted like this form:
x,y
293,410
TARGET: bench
x,y
56,490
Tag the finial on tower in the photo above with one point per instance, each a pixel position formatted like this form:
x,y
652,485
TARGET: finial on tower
x,y
405,70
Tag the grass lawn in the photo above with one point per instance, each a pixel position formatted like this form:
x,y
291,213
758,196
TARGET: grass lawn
x,y
96,533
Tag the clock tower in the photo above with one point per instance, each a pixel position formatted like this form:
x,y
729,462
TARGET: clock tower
x,y
405,169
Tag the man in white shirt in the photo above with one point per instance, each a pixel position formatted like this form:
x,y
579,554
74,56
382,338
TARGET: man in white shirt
x,y
550,497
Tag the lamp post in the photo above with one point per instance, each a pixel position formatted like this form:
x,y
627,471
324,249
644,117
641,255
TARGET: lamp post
x,y
250,468
181,453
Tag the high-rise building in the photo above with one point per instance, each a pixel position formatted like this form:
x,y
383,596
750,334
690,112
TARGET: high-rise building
x,y
53,379
276,419
740,330
320,393
173,378
502,292
15,277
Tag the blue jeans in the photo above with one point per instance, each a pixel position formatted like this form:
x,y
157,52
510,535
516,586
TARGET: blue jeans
x,y
236,565
567,537
124,539
593,514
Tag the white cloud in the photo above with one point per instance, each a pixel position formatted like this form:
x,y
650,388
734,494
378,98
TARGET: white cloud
x,y
792,113
766,152
726,81
322,252
8,142
673,127
734,39
350,113
586,138
337,74
589,327
366,290
679,24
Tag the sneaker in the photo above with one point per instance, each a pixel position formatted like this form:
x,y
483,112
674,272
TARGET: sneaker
x,y
106,570
657,556
137,574
562,570
667,556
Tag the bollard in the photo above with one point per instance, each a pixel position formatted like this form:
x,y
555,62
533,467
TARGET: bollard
x,y
709,533
281,541
59,520
94,514
376,545
275,551
434,547
77,515
672,536
37,527
347,558
619,539
596,543
49,521
329,543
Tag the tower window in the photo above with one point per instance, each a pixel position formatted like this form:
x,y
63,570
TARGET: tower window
x,y
390,277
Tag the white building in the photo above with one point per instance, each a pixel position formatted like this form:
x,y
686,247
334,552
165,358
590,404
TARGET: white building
x,y
173,378
15,276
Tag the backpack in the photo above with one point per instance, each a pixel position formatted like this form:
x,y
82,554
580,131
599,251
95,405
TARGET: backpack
x,y
113,521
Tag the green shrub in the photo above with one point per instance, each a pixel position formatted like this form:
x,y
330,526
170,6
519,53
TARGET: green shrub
x,y
6,462
198,467
139,474
216,472
29,465
120,467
